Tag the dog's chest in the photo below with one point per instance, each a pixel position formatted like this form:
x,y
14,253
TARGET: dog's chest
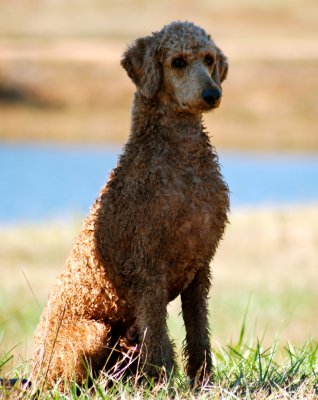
x,y
189,204
167,205
193,205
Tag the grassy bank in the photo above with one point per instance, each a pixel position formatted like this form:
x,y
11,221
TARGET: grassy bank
x,y
268,259
263,307
244,370
60,77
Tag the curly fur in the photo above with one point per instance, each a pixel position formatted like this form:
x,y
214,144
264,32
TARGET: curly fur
x,y
154,228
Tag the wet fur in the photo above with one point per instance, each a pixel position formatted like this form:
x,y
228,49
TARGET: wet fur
x,y
152,232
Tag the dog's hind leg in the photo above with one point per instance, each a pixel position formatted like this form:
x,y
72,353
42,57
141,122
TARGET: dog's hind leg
x,y
74,350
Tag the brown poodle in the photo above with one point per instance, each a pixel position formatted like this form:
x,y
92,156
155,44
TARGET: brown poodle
x,y
154,228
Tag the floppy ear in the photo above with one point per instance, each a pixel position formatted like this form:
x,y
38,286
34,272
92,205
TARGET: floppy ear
x,y
141,63
222,65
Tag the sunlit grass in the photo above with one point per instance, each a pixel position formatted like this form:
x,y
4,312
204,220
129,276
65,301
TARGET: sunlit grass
x,y
264,275
243,369
268,258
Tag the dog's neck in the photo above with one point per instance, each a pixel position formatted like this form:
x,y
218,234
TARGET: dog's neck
x,y
151,116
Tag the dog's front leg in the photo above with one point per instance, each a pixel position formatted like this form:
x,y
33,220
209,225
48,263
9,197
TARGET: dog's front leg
x,y
197,349
151,318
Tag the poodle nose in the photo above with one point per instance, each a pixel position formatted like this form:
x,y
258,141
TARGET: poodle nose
x,y
211,96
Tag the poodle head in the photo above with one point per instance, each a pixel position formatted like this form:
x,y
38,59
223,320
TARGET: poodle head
x,y
180,66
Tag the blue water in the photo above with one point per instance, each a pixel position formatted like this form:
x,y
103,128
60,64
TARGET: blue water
x,y
47,182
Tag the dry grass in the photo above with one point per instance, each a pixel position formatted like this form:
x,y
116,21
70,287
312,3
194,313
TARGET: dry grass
x,y
268,259
64,63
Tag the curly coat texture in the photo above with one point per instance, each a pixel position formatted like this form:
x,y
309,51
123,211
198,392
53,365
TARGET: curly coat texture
x,y
155,226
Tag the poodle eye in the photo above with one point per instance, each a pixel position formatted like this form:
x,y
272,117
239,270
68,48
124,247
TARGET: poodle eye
x,y
179,63
208,60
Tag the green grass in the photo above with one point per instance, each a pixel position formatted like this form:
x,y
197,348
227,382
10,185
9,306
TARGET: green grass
x,y
245,369
274,264
272,268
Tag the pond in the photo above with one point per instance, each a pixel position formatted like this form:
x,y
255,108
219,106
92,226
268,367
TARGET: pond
x,y
41,182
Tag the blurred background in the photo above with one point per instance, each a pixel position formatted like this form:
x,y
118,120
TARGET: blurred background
x,y
64,116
